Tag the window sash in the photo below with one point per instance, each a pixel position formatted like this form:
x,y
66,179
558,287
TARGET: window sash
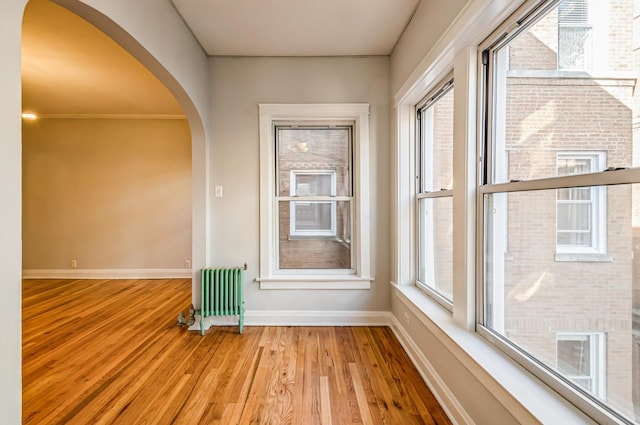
x,y
427,193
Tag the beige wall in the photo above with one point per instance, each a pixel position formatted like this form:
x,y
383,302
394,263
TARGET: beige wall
x,y
111,194
239,85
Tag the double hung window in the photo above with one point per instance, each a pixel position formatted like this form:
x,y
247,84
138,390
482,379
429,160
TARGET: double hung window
x,y
434,197
560,201
314,196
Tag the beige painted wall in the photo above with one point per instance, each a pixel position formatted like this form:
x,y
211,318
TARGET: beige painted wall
x,y
109,193
238,86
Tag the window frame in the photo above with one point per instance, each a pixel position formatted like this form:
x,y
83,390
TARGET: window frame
x,y
525,16
270,276
424,143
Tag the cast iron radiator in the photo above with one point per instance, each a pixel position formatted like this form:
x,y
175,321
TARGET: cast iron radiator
x,y
221,292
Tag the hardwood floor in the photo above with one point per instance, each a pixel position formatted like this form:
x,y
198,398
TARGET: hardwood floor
x,y
109,352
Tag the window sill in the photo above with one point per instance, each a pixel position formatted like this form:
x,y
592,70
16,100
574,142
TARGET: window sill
x,y
504,378
315,282
583,257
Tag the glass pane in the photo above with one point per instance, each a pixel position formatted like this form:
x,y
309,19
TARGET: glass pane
x,y
574,216
574,47
574,357
437,144
436,245
313,216
538,110
568,166
313,184
532,297
314,150
314,235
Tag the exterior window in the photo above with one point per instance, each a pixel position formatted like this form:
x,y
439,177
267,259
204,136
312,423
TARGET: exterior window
x,y
580,215
434,198
313,218
314,200
560,201
575,32
314,175
580,358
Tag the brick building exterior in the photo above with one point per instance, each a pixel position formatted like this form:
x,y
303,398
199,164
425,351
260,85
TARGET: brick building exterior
x,y
554,117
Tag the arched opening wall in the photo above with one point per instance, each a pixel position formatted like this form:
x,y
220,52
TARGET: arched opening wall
x,y
156,36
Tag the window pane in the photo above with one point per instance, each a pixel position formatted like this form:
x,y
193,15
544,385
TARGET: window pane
x,y
574,216
436,245
437,143
531,298
574,357
314,216
321,236
538,111
317,150
313,184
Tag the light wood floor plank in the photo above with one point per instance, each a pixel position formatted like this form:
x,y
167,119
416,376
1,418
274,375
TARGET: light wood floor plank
x,y
109,352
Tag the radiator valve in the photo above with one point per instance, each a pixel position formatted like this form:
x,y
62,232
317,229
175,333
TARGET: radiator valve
x,y
187,320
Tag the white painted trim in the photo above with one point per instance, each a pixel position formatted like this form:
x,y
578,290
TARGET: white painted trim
x,y
429,374
107,274
268,114
311,282
300,318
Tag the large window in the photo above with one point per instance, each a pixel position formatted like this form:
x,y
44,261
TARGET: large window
x,y
560,210
314,196
434,197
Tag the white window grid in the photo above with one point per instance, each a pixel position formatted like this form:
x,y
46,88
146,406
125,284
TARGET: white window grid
x,y
305,200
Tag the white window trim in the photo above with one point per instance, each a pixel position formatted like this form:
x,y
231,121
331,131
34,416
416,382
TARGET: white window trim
x,y
292,206
599,219
598,363
270,276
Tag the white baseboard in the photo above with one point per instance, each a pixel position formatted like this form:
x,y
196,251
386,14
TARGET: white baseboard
x,y
106,274
438,387
301,318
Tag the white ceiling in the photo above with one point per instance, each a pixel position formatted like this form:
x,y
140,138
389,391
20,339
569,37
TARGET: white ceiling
x,y
71,68
297,27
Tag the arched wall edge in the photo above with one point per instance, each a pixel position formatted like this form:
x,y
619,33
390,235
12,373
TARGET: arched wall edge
x,y
143,29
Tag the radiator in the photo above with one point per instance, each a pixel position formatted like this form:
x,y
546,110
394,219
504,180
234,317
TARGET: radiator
x,y
221,294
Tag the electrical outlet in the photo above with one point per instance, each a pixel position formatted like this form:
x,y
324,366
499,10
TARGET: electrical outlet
x,y
73,264
406,318
187,264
